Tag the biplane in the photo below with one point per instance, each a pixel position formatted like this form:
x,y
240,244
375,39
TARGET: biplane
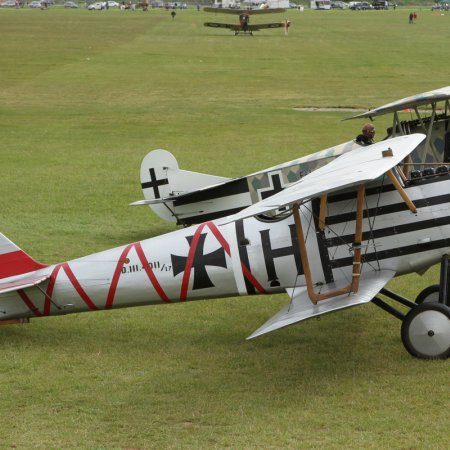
x,y
330,240
244,26
187,197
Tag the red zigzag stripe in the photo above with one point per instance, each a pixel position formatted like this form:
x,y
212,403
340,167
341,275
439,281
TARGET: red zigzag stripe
x,y
222,241
148,270
112,289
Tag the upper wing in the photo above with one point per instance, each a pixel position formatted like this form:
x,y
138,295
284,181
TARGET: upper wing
x,y
240,11
223,10
300,308
360,165
408,102
266,11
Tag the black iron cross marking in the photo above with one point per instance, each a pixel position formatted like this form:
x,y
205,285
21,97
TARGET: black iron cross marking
x,y
201,278
154,183
277,187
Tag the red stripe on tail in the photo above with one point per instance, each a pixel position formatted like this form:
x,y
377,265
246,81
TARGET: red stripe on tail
x,y
81,292
116,276
17,263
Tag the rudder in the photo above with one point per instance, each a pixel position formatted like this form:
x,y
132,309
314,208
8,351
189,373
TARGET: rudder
x,y
161,178
14,261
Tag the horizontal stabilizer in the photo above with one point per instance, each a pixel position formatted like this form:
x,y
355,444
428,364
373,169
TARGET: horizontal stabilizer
x,y
154,201
22,282
301,308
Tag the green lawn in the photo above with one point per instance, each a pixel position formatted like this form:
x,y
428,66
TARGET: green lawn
x,y
83,97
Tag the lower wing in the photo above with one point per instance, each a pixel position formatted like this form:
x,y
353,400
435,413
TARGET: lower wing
x,y
300,308
237,27
261,26
223,25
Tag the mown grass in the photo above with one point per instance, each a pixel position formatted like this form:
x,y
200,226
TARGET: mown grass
x,y
83,97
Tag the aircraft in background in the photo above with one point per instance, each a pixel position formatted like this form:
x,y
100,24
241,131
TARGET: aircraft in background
x,y
336,237
244,26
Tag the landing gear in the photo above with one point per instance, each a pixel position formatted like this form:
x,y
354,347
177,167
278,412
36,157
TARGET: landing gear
x,y
429,295
425,329
438,293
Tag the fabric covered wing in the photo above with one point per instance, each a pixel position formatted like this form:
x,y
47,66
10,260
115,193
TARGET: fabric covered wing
x,y
261,26
301,308
408,102
237,27
358,166
213,191
268,11
229,26
154,201
221,10
247,11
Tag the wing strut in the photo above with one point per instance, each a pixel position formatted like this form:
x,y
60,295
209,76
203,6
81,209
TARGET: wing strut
x,y
323,211
354,284
401,191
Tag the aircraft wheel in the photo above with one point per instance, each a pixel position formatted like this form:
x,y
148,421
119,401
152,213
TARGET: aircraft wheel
x,y
429,295
426,331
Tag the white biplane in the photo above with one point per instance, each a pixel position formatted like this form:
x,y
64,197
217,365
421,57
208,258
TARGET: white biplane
x,y
331,240
189,197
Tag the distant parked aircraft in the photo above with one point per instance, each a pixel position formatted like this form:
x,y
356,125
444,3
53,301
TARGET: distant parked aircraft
x,y
244,26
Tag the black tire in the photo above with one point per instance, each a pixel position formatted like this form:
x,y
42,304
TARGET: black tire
x,y
429,295
426,331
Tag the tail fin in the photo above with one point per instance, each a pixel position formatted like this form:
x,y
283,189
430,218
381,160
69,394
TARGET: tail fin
x,y
162,178
14,261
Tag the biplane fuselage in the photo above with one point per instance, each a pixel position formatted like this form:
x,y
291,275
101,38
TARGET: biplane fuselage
x,y
215,197
248,256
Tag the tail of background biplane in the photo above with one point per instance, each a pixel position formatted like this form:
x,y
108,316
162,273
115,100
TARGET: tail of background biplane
x,y
164,184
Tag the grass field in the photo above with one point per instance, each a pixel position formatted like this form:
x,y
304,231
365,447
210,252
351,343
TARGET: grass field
x,y
83,97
